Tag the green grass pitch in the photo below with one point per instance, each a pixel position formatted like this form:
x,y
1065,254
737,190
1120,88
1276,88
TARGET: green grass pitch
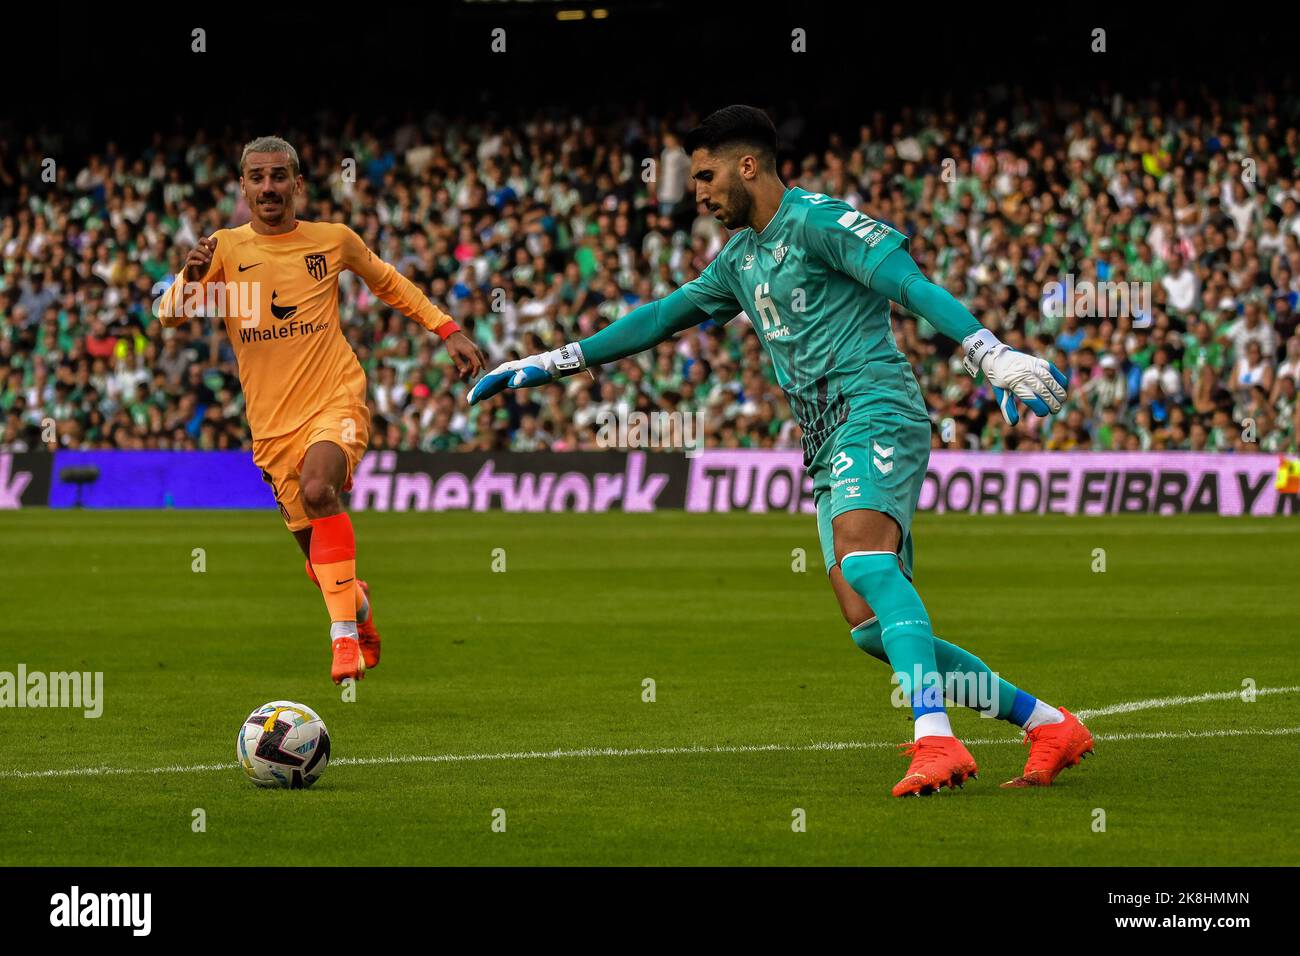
x,y
485,671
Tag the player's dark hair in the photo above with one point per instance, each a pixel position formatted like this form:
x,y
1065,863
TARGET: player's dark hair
x,y
736,126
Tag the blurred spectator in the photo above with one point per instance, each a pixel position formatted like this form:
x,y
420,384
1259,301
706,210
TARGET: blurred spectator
x,y
1182,321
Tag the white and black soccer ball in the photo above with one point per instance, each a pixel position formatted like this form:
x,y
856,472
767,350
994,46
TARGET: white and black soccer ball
x,y
283,744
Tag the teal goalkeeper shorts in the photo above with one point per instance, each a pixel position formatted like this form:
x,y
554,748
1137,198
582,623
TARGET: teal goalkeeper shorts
x,y
876,460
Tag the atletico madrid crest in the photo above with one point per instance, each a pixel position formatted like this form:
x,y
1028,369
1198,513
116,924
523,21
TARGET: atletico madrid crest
x,y
316,265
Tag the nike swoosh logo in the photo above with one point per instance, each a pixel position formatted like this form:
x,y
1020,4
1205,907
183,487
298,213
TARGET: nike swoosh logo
x,y
253,266
281,312
337,582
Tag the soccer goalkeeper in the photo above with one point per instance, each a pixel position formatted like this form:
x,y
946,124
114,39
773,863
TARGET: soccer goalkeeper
x,y
816,277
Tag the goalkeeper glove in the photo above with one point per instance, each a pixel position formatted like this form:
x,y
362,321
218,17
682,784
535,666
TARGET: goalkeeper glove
x,y
1036,382
529,372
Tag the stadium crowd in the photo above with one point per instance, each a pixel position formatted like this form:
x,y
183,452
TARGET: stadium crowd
x,y
542,231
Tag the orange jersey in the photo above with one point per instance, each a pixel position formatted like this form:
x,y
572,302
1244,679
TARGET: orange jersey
x,y
279,298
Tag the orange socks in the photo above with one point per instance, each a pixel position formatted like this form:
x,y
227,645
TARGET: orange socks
x,y
334,561
363,608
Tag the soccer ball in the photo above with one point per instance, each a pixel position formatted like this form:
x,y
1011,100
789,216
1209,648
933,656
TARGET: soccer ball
x,y
283,744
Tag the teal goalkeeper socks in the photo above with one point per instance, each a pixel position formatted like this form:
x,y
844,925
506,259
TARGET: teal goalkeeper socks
x,y
976,686
905,634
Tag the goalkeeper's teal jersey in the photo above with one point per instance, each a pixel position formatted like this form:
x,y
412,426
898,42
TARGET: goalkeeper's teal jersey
x,y
803,283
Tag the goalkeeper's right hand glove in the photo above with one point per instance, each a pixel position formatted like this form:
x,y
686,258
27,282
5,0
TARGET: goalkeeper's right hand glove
x,y
529,372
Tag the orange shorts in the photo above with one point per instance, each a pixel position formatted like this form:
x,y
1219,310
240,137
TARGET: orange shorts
x,y
346,424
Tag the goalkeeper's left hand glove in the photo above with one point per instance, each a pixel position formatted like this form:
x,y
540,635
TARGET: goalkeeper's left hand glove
x,y
529,372
1036,382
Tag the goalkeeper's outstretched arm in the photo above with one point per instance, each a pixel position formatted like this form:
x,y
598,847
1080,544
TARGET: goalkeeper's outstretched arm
x,y
899,278
642,328
875,254
1013,375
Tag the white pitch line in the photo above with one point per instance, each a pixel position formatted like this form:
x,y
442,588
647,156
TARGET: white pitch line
x,y
1193,734
633,752
1154,702
582,752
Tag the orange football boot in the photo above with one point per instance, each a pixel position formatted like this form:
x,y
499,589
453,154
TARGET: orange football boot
x,y
348,662
936,761
1052,748
367,633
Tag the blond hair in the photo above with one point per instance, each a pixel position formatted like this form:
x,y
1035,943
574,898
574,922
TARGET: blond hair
x,y
270,144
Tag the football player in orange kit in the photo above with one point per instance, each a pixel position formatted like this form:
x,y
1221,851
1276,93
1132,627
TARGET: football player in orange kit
x,y
304,390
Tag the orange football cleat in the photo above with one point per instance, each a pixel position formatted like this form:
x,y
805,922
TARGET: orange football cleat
x,y
936,761
1052,748
367,633
348,662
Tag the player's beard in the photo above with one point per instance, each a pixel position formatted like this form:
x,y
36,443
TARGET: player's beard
x,y
739,207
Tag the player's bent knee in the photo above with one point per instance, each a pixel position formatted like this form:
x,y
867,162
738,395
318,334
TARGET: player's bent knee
x,y
876,576
866,634
318,495
852,607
